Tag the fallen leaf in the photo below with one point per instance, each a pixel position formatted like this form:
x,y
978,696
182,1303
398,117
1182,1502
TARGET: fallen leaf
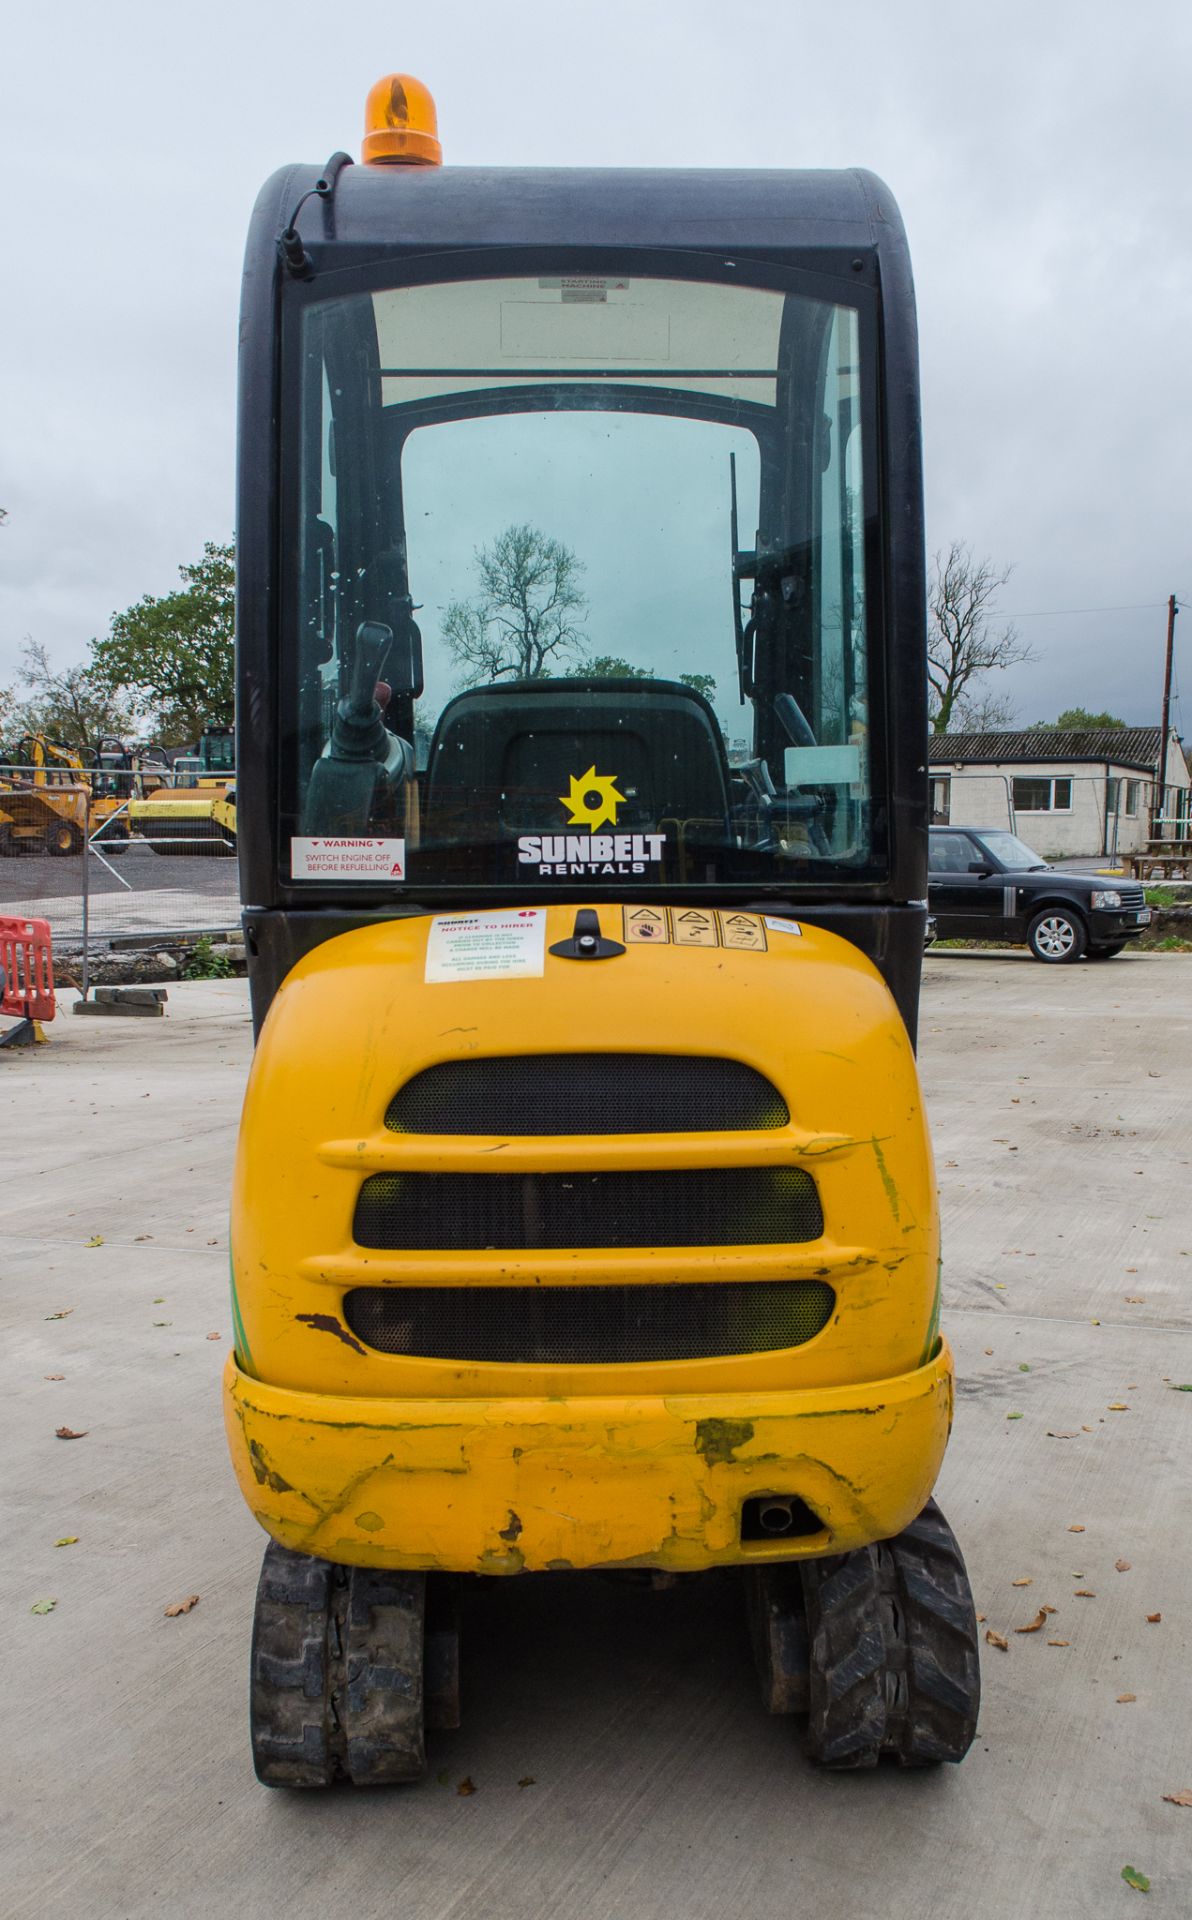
x,y
1137,1880
213,1336
1185,1387
1086,1429
67,1310
1135,1300
163,1323
1040,1620
182,1606
1053,1434
1181,1799
1022,1367
1014,1416
68,1540
981,1619
1117,1406
96,1240
987,1349
997,1640
69,1433
1083,1593
467,1785
1021,1583
1075,1529
1126,1699
1153,1619
1059,1643
54,1376
43,1606
1121,1566
527,1780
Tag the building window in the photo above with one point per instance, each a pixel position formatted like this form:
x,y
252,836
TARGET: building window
x,y
1033,794
941,799
1133,788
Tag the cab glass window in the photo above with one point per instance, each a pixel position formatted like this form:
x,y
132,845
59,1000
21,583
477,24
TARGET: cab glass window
x,y
580,588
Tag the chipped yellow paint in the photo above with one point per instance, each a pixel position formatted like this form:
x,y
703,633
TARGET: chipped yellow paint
x,y
441,1452
521,1484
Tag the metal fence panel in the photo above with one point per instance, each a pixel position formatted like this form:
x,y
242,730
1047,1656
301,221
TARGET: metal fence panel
x,y
105,873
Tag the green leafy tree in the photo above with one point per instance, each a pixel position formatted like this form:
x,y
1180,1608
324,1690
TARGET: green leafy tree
x,y
173,656
610,666
1077,720
72,705
528,612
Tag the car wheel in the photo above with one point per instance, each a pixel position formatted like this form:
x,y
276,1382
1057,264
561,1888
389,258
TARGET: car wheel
x,y
1106,953
1057,935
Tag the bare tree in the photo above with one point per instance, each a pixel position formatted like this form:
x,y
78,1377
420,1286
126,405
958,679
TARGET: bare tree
x,y
964,641
528,612
69,704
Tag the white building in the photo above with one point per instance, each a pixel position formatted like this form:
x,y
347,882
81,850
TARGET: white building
x,y
1089,792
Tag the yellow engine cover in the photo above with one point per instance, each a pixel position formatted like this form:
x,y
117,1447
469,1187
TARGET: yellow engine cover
x,y
382,1458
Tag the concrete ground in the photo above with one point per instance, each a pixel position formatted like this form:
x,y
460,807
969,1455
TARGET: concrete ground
x,y
622,1765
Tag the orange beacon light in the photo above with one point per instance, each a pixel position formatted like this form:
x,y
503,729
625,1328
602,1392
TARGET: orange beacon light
x,y
401,127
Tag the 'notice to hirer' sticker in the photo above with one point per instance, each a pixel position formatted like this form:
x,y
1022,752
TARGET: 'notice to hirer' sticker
x,y
348,859
502,945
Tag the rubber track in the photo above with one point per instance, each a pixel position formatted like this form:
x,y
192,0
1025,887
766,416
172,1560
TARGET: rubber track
x,y
895,1669
336,1673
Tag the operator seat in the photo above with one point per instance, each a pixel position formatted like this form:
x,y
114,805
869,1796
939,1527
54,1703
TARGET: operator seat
x,y
502,755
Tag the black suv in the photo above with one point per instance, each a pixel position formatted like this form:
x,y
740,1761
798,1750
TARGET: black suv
x,y
984,884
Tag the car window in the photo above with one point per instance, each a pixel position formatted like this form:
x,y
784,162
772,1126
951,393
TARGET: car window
x,y
950,853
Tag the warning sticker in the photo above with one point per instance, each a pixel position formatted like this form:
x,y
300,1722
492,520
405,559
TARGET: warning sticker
x,y
348,859
778,925
742,930
694,928
647,925
582,286
486,946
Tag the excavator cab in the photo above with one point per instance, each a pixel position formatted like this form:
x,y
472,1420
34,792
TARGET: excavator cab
x,y
584,1213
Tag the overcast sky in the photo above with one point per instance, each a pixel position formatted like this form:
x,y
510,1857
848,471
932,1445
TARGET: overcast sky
x,y
1041,155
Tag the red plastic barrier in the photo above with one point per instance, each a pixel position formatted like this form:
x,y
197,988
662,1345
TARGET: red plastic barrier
x,y
28,965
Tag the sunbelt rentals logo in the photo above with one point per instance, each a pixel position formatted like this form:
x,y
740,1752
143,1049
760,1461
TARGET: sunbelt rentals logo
x,y
592,802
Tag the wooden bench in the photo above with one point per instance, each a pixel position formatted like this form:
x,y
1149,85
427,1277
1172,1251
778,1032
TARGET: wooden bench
x,y
1159,860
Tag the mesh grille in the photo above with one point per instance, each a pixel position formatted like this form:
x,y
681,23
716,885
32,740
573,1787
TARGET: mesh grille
x,y
688,1207
590,1326
557,1093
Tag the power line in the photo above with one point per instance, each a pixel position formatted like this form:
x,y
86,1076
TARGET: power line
x,y
1046,613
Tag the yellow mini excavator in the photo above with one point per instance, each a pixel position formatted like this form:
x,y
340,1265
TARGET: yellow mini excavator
x,y
584,1213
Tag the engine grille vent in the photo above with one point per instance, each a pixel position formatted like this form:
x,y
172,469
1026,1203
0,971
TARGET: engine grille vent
x,y
684,1207
590,1326
557,1093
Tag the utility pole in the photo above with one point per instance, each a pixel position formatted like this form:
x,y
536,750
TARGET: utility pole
x,y
1161,770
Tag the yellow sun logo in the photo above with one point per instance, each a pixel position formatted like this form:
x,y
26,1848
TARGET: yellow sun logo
x,y
593,799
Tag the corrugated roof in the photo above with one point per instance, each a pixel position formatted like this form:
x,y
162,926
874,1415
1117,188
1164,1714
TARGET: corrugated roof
x,y
1125,746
